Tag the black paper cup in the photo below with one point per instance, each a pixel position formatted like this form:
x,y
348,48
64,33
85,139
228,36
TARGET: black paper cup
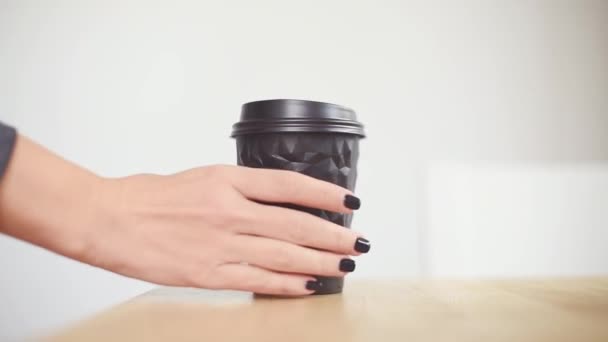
x,y
314,138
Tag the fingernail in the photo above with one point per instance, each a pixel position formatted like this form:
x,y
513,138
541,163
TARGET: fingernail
x,y
362,245
347,265
314,285
352,202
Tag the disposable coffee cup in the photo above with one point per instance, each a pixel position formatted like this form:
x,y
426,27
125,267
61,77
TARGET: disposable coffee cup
x,y
317,139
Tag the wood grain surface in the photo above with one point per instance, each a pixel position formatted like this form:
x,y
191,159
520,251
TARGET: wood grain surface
x,y
380,310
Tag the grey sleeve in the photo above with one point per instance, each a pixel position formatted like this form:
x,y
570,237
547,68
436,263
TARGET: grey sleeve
x,y
8,135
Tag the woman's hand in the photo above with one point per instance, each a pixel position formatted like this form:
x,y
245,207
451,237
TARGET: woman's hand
x,y
203,228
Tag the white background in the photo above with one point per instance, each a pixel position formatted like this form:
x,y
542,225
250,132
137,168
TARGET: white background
x,y
487,122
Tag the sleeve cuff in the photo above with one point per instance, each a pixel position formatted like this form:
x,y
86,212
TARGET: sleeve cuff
x,y
8,135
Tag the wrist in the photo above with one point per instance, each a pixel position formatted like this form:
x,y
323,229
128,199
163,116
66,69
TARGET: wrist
x,y
85,217
104,215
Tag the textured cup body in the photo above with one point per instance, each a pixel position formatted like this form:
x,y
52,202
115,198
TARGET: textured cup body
x,y
331,157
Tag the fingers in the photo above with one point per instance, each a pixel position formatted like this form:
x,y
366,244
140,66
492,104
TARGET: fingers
x,y
251,278
303,229
286,257
280,186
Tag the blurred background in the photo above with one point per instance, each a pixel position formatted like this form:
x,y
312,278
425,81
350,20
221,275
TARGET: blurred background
x,y
487,121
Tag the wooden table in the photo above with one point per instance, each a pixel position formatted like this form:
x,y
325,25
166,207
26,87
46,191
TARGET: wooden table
x,y
380,310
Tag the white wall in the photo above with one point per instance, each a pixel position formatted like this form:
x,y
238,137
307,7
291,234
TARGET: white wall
x,y
497,220
131,86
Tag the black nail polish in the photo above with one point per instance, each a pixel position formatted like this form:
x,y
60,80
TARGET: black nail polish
x,y
362,245
314,285
352,202
347,265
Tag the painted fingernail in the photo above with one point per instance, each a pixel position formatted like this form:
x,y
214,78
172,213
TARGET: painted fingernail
x,y
347,265
362,245
314,285
352,202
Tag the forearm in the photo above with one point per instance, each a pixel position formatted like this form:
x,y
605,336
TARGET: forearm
x,y
47,200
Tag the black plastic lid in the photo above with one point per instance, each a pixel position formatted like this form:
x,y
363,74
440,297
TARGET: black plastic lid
x,y
276,116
